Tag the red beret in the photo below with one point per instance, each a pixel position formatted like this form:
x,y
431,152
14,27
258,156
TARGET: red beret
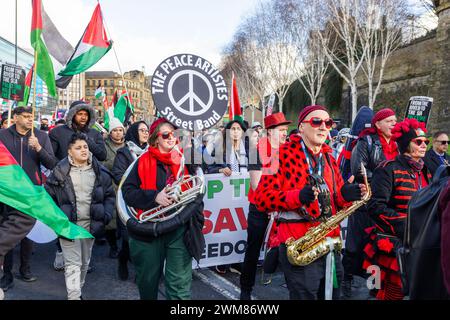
x,y
382,114
307,110
156,123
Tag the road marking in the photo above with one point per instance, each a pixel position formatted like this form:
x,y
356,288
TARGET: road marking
x,y
219,283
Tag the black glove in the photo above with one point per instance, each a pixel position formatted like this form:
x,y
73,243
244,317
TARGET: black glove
x,y
351,192
306,195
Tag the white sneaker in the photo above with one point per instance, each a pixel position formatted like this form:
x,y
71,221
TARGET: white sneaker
x,y
58,264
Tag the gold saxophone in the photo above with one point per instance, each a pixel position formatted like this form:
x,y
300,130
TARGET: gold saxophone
x,y
314,243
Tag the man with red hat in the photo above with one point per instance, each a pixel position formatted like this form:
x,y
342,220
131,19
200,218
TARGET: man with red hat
x,y
266,163
373,147
292,191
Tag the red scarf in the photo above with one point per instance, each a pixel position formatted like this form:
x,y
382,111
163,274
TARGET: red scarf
x,y
389,149
147,166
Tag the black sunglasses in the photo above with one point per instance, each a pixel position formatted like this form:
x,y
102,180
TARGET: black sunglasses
x,y
443,141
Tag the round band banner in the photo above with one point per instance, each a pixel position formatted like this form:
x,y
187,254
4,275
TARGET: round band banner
x,y
189,92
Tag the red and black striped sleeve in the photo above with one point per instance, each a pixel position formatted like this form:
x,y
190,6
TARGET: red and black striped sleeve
x,y
380,206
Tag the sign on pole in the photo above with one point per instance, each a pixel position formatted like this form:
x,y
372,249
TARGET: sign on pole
x,y
189,92
12,82
419,108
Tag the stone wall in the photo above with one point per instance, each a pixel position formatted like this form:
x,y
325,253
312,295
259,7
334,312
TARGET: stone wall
x,y
421,68
408,73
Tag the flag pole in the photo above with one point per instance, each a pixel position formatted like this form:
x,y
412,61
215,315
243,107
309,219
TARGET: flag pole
x,y
115,54
9,114
33,106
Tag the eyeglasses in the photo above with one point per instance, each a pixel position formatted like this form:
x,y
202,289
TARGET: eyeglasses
x,y
317,122
166,135
420,141
143,130
442,141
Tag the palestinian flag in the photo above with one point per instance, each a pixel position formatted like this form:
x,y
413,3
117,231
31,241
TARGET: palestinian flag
x,y
99,92
44,65
123,108
92,46
26,93
17,191
234,112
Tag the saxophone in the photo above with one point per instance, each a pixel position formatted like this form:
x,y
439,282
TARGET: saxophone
x,y
314,244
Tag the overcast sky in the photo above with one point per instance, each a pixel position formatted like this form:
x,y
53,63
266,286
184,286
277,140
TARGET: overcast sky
x,y
144,31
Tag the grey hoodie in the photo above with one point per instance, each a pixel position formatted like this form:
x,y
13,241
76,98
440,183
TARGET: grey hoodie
x,y
83,180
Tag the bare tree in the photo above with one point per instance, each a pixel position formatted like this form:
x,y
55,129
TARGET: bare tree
x,y
312,61
244,59
381,35
345,18
273,46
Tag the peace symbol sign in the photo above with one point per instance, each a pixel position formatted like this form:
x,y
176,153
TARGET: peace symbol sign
x,y
196,105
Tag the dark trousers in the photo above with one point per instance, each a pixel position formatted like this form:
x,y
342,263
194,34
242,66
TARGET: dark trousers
x,y
148,259
26,250
257,224
14,226
356,240
308,282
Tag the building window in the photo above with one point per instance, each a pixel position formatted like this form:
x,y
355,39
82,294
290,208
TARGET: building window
x,y
105,82
88,82
111,83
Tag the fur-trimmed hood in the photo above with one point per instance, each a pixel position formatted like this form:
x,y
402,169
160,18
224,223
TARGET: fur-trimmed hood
x,y
77,106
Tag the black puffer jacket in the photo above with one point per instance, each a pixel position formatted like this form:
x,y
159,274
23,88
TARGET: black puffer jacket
x,y
60,187
369,151
124,156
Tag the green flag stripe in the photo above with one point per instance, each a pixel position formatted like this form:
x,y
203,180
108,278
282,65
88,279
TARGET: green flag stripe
x,y
36,202
84,61
44,62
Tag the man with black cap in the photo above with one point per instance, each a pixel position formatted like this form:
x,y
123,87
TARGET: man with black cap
x,y
79,118
267,153
305,163
31,149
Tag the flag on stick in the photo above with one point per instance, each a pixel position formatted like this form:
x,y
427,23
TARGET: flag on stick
x,y
17,191
26,93
93,45
234,111
44,65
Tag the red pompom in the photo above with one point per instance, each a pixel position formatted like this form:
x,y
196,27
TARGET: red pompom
x,y
405,126
385,245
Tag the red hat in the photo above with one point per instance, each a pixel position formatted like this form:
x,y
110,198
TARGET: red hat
x,y
156,123
407,130
382,114
275,119
307,110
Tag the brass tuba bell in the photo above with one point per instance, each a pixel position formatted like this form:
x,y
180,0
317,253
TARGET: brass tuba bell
x,y
184,190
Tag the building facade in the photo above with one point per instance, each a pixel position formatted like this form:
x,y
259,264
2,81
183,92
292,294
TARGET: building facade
x,y
73,92
135,82
45,104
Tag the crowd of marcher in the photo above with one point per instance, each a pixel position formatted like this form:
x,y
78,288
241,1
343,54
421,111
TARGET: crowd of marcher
x,y
295,185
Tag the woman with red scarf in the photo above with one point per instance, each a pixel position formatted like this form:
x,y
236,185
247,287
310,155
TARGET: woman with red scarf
x,y
373,147
144,189
393,184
